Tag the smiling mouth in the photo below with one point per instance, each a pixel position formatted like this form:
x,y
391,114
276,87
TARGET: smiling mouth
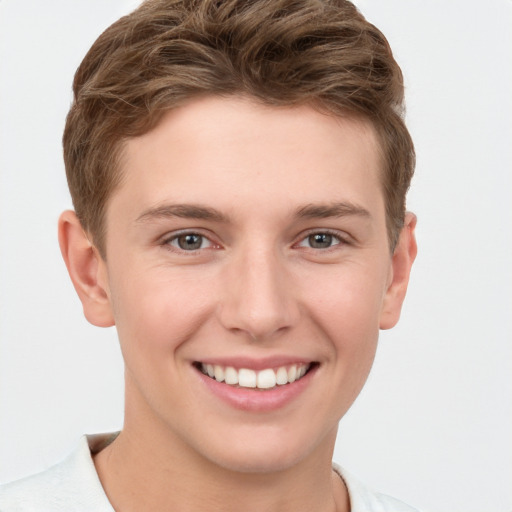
x,y
268,378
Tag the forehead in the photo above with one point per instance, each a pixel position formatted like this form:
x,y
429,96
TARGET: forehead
x,y
235,152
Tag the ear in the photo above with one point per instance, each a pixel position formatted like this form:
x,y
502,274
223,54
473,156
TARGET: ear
x,y
87,270
401,263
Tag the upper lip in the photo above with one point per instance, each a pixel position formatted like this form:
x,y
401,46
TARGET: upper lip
x,y
255,364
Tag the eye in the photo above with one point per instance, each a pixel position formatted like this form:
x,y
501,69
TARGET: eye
x,y
189,242
320,240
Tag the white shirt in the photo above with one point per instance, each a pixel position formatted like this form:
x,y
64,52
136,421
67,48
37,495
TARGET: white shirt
x,y
73,486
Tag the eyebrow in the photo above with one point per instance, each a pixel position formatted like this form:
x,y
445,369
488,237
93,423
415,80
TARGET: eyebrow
x,y
322,211
192,211
184,211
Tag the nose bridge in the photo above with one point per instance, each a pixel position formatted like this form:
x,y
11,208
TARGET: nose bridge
x,y
259,298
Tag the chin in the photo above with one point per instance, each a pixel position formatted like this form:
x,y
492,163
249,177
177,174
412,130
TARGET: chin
x,y
263,463
263,452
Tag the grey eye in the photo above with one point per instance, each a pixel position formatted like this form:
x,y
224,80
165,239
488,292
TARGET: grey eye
x,y
189,242
321,240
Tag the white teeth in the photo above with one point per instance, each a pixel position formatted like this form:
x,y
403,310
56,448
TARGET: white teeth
x,y
282,376
231,376
266,379
247,378
292,373
219,373
263,379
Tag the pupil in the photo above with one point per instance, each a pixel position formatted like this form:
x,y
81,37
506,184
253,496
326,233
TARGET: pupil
x,y
320,240
188,242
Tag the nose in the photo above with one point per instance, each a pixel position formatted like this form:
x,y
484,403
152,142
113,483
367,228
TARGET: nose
x,y
258,298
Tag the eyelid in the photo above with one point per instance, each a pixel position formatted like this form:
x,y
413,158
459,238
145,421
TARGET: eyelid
x,y
342,237
166,240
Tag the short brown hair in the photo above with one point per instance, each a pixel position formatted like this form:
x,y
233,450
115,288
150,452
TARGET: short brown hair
x,y
279,52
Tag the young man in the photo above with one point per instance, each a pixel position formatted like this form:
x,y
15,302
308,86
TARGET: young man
x,y
238,171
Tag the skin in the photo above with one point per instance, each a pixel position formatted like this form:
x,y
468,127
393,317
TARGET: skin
x,y
256,184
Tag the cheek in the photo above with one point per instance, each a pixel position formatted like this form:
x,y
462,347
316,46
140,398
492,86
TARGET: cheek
x,y
348,304
347,311
156,312
346,322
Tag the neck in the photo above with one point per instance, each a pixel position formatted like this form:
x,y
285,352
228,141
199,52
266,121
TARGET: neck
x,y
141,472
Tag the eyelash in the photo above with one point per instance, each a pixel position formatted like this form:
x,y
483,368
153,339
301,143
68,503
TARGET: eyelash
x,y
171,242
175,237
340,240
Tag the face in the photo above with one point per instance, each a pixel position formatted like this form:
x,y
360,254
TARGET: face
x,y
248,270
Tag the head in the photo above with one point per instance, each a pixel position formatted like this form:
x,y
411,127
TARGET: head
x,y
239,171
277,52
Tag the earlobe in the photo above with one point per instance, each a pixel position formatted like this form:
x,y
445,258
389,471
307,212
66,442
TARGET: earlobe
x,y
402,260
87,270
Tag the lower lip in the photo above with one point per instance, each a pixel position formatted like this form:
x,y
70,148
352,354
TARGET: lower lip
x,y
258,400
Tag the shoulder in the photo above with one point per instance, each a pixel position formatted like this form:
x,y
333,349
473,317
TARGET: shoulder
x,y
364,499
71,486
